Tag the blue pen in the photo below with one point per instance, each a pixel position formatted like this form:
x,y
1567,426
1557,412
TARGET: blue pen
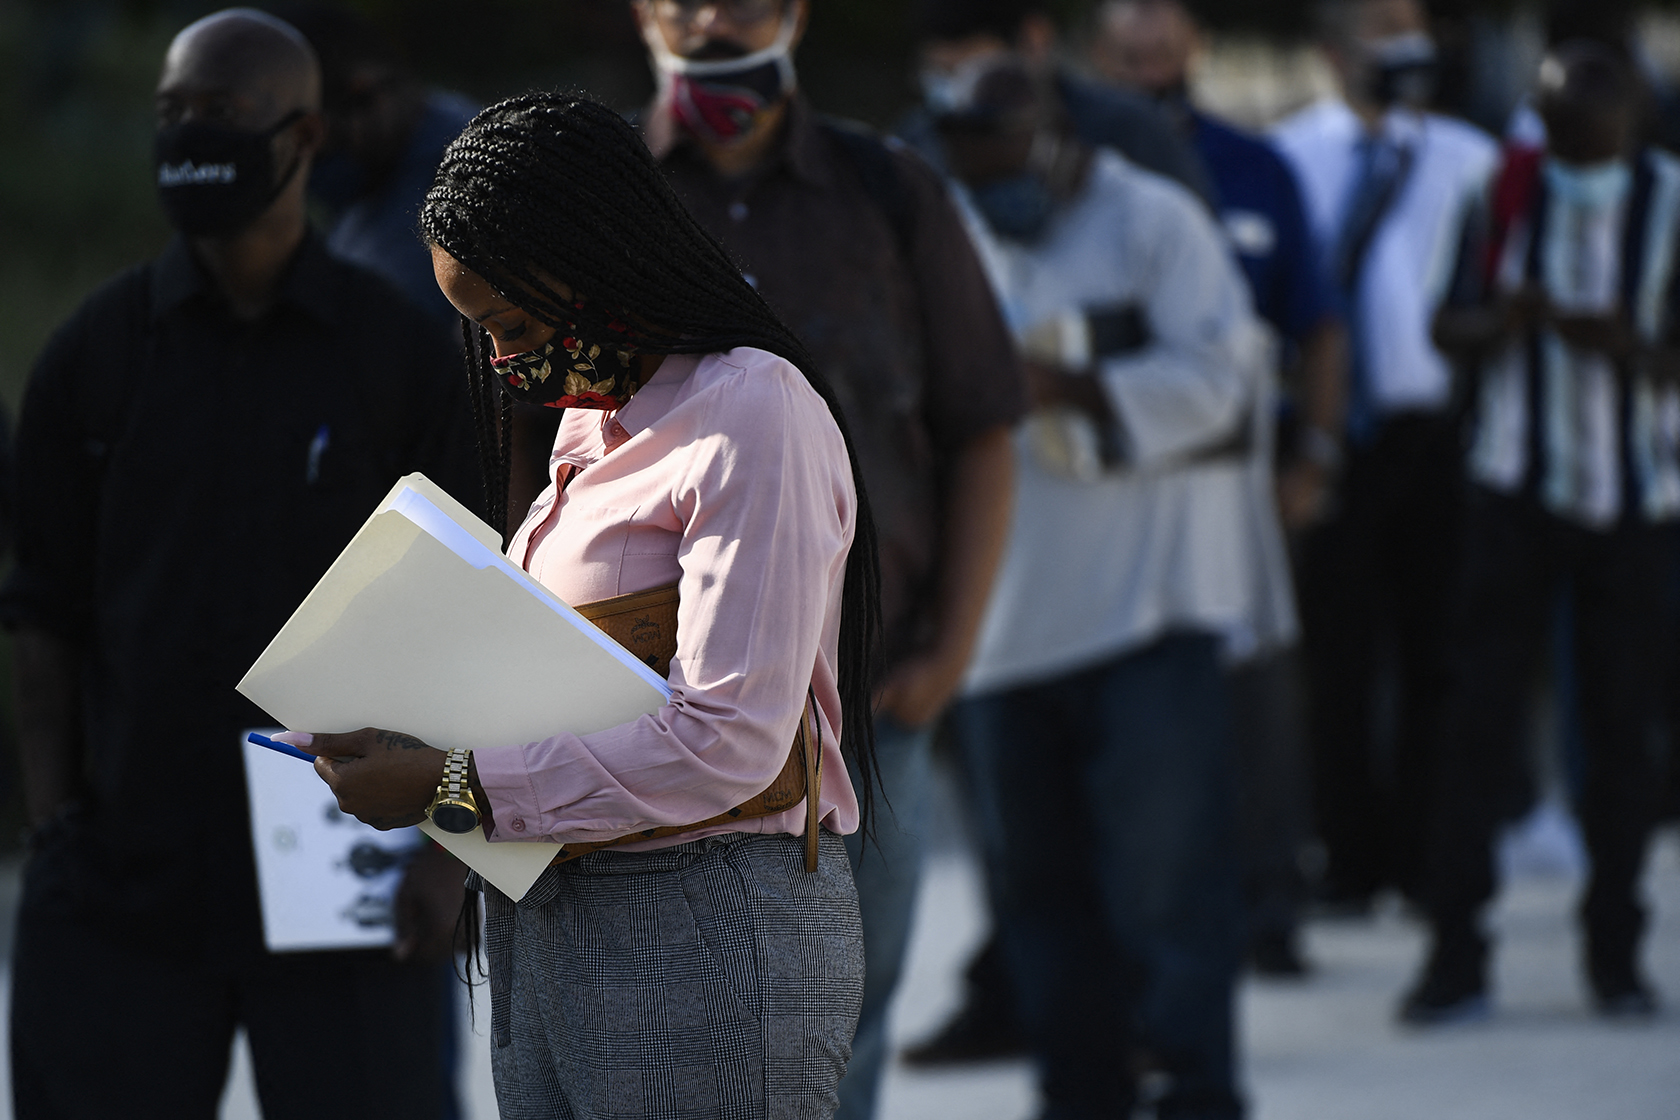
x,y
317,448
283,748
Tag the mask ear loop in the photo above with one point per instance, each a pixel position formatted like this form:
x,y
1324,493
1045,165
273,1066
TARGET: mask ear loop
x,y
268,135
667,62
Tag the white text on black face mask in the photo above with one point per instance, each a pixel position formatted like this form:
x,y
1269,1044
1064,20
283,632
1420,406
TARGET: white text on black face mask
x,y
189,173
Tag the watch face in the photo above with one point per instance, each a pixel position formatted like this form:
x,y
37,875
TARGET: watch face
x,y
454,818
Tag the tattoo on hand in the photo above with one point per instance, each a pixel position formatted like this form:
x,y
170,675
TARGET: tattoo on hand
x,y
396,740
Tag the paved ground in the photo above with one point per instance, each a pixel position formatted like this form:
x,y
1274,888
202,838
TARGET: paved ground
x,y
1325,1049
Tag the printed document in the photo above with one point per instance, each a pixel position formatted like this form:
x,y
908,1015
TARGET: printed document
x,y
326,880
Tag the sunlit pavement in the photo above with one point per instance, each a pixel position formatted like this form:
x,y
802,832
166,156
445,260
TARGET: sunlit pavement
x,y
1323,1049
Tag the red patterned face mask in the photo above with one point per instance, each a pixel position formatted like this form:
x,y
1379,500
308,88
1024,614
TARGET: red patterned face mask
x,y
572,372
724,110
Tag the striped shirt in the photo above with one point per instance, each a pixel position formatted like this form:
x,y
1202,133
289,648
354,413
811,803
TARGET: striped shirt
x,y
1589,441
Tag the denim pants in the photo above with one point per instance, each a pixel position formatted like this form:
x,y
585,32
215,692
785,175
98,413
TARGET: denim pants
x,y
888,870
1105,804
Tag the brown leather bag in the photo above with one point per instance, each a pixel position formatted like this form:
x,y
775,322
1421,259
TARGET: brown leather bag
x,y
645,623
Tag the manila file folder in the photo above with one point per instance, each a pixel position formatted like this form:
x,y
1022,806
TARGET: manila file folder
x,y
422,625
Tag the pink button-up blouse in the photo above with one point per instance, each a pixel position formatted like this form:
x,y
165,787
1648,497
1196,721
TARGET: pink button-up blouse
x,y
725,474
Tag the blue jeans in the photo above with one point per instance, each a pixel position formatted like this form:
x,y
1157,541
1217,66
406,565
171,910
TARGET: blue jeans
x,y
1105,800
887,874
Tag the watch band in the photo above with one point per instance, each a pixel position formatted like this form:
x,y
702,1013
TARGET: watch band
x,y
455,765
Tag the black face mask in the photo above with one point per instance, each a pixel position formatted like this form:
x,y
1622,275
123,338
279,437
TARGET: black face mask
x,y
1402,71
214,181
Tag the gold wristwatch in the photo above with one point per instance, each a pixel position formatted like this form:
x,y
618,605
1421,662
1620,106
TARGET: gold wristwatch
x,y
454,809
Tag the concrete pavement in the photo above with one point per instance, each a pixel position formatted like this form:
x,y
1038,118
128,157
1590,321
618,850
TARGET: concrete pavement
x,y
1323,1049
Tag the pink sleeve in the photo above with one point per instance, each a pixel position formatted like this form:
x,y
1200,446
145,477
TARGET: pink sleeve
x,y
764,495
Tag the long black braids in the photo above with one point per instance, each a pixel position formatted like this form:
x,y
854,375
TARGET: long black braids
x,y
493,425
556,186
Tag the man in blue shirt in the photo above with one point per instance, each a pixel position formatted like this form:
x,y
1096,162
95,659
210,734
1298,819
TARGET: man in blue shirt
x,y
1148,45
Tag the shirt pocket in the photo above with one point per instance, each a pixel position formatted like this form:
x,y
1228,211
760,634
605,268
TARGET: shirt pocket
x,y
579,554
649,558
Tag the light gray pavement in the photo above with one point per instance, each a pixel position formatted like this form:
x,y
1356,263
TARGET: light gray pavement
x,y
1325,1049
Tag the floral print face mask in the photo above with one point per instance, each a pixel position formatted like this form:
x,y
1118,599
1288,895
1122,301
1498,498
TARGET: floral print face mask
x,y
572,372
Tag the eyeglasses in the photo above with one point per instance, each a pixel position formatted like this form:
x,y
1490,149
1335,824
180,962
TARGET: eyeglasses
x,y
742,12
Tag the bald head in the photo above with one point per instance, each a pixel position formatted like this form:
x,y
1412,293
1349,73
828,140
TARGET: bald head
x,y
239,123
1146,44
245,68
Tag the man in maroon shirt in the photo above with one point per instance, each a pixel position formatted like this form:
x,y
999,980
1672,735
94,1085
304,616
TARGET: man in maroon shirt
x,y
854,243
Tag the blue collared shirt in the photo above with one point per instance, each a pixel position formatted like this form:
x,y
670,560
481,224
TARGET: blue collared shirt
x,y
1259,205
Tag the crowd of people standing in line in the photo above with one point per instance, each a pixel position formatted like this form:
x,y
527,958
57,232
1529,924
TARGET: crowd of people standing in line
x,y
1225,490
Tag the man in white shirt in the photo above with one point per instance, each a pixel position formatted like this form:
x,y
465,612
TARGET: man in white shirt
x,y
1094,723
1386,185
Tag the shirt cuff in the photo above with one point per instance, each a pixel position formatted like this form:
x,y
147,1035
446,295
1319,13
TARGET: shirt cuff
x,y
513,798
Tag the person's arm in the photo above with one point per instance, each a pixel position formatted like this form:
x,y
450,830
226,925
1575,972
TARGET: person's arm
x,y
45,696
1469,331
1307,308
1192,385
974,392
46,599
1303,485
1476,318
978,496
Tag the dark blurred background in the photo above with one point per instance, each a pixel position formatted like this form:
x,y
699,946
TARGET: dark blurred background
x,y
76,201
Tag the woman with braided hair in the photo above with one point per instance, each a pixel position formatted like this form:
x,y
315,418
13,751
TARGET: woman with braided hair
x,y
714,969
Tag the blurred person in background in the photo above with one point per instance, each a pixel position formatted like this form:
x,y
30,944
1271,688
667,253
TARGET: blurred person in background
x,y
197,444
1093,723
1101,115
856,245
1386,184
1149,45
1566,302
985,1025
386,133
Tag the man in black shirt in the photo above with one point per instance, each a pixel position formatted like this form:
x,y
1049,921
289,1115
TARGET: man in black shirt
x,y
856,245
197,444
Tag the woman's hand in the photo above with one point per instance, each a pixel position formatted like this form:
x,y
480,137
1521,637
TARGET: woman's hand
x,y
382,778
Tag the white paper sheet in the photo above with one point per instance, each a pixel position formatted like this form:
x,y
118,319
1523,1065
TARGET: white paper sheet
x,y
326,880
422,626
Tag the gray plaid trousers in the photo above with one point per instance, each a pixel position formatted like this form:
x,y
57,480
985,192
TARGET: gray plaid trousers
x,y
716,979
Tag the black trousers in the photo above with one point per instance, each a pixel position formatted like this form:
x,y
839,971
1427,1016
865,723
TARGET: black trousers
x,y
106,1023
1517,560
1271,792
1374,582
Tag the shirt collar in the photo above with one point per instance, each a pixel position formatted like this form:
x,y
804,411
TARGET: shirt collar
x,y
800,149
654,399
313,282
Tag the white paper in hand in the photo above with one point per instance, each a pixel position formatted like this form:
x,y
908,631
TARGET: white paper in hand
x,y
422,626
326,880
